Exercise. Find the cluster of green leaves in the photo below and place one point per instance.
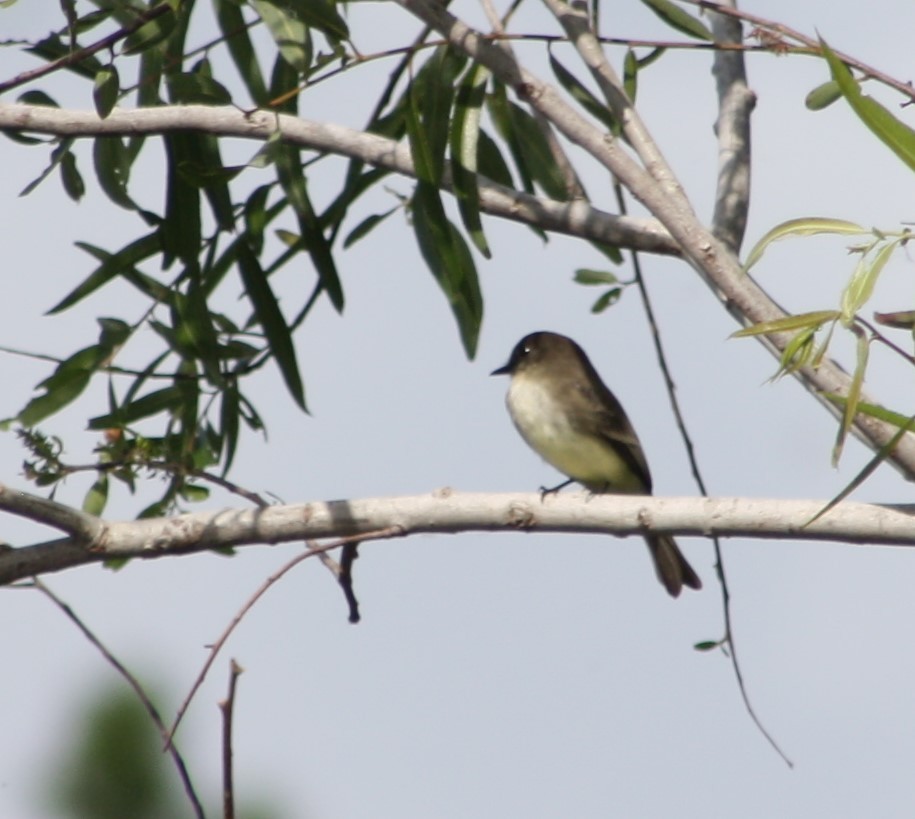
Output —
(873, 251)
(183, 411)
(803, 349)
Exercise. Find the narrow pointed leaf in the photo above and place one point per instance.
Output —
(235, 36)
(106, 91)
(814, 319)
(853, 397)
(450, 261)
(113, 264)
(905, 425)
(465, 134)
(679, 20)
(894, 133)
(864, 279)
(579, 92)
(270, 317)
(807, 226)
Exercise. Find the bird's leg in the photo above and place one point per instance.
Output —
(554, 489)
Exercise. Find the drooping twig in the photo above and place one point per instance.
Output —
(134, 683)
(216, 647)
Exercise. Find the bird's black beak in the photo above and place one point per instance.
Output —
(505, 369)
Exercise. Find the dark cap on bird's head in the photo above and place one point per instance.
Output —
(536, 347)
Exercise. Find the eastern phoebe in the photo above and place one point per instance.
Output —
(570, 419)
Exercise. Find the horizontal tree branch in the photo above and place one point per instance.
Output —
(575, 218)
(448, 512)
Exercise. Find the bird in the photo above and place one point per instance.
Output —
(569, 417)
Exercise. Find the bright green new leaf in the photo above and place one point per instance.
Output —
(97, 496)
(814, 320)
(807, 226)
(863, 280)
(586, 275)
(854, 395)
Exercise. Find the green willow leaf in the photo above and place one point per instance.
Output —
(167, 399)
(323, 15)
(894, 133)
(813, 320)
(150, 34)
(806, 226)
(288, 30)
(58, 155)
(181, 229)
(465, 135)
(864, 279)
(112, 167)
(588, 276)
(194, 88)
(854, 395)
(450, 261)
(905, 425)
(235, 36)
(679, 20)
(113, 265)
(270, 317)
(366, 226)
(97, 496)
(823, 96)
(106, 90)
(70, 177)
(582, 95)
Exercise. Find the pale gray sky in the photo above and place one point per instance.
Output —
(508, 675)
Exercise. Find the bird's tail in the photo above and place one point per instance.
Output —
(672, 569)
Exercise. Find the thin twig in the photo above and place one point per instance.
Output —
(811, 45)
(134, 683)
(227, 707)
(75, 57)
(216, 647)
(688, 445)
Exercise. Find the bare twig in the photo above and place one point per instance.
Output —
(227, 707)
(75, 57)
(215, 648)
(137, 687)
(810, 45)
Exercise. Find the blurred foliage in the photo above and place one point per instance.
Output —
(111, 765)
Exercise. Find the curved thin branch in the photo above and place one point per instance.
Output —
(450, 512)
(576, 218)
